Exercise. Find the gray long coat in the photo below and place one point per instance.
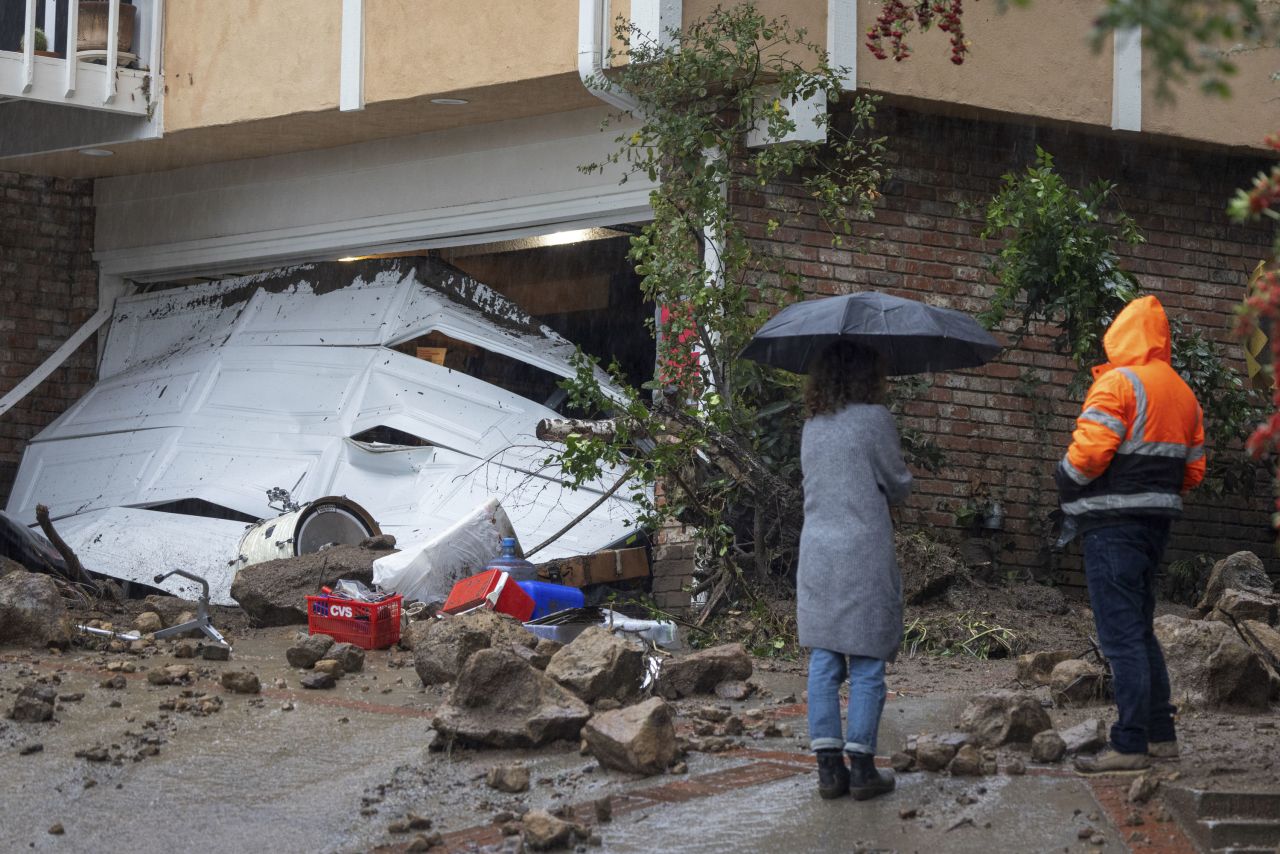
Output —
(849, 589)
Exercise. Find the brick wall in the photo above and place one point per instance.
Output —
(48, 287)
(997, 427)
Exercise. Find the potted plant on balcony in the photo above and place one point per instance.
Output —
(91, 34)
(42, 45)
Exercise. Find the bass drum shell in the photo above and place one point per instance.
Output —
(332, 519)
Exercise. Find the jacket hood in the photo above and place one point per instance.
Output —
(1138, 335)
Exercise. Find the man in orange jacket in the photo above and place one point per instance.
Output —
(1138, 447)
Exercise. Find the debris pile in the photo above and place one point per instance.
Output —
(274, 593)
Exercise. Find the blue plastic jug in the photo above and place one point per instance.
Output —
(517, 567)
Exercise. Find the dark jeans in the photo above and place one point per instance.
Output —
(1120, 564)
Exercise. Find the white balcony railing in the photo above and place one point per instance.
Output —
(88, 75)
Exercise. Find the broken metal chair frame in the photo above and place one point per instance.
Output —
(201, 621)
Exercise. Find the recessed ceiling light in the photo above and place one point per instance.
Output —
(96, 152)
(450, 102)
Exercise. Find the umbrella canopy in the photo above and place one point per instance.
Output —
(913, 338)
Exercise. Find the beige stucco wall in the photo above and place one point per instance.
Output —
(1245, 118)
(239, 60)
(417, 47)
(235, 61)
(1033, 60)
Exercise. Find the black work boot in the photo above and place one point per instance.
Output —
(865, 781)
(833, 776)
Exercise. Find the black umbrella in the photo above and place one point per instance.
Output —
(913, 338)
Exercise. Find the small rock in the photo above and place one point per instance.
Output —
(1084, 833)
(114, 683)
(508, 778)
(908, 813)
(1087, 737)
(57, 830)
(28, 749)
(148, 622)
(901, 761)
(1135, 819)
(1142, 788)
(241, 682)
(1048, 746)
(34, 703)
(735, 689)
(418, 822)
(680, 767)
(184, 649)
(318, 681)
(425, 842)
(215, 652)
(350, 656)
(309, 651)
(543, 831)
(331, 666)
(1097, 839)
(604, 810)
(966, 763)
(1015, 768)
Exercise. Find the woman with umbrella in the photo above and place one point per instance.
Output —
(848, 586)
(849, 589)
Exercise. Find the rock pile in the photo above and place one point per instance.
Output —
(274, 593)
(510, 689)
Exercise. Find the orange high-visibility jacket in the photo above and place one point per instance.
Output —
(1138, 445)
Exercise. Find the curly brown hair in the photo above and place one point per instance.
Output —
(842, 374)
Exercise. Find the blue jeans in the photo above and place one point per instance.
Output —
(1120, 565)
(867, 692)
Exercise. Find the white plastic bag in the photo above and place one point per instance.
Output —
(426, 571)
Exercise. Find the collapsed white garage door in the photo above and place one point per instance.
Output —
(288, 380)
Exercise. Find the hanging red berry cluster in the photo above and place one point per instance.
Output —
(897, 17)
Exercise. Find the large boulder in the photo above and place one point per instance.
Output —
(1210, 667)
(598, 664)
(274, 593)
(1235, 606)
(1004, 717)
(1034, 668)
(31, 611)
(1240, 571)
(499, 700)
(442, 646)
(934, 751)
(1076, 682)
(701, 672)
(639, 739)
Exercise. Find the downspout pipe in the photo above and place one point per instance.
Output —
(593, 35)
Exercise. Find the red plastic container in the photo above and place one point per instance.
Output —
(369, 625)
(493, 589)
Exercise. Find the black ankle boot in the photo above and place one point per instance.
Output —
(833, 776)
(864, 780)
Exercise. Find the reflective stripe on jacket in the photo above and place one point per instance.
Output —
(1138, 445)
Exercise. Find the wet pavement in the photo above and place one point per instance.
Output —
(295, 770)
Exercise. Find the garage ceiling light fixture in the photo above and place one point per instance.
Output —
(96, 152)
(450, 102)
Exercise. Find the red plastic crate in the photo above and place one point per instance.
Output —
(369, 625)
(492, 589)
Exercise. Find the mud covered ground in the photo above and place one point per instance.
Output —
(349, 769)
